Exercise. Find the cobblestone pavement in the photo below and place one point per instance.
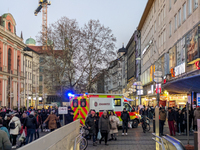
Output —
(136, 140)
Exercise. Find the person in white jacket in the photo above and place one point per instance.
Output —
(14, 132)
(114, 122)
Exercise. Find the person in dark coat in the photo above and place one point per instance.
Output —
(104, 127)
(43, 117)
(97, 123)
(31, 124)
(69, 116)
(171, 120)
(179, 121)
(90, 123)
(125, 119)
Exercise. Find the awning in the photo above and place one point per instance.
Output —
(128, 99)
(184, 85)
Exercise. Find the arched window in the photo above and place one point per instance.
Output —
(9, 26)
(9, 60)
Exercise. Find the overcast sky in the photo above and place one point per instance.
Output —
(122, 16)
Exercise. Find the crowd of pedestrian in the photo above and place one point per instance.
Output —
(22, 126)
(106, 125)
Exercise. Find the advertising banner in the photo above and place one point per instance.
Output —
(192, 45)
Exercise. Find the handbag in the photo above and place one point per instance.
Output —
(22, 137)
(113, 125)
(99, 135)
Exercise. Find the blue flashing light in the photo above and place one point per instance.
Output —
(70, 94)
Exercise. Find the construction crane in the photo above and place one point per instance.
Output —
(43, 5)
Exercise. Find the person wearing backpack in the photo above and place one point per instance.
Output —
(31, 124)
(15, 126)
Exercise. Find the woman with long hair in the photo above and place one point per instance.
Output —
(114, 122)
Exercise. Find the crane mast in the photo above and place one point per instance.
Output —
(43, 5)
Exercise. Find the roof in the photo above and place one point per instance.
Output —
(5, 15)
(122, 50)
(30, 41)
(145, 14)
(37, 49)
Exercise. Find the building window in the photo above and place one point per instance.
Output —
(9, 60)
(170, 29)
(189, 7)
(9, 26)
(41, 77)
(184, 12)
(195, 4)
(40, 89)
(170, 4)
(175, 22)
(33, 79)
(179, 17)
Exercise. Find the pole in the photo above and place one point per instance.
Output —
(157, 126)
(188, 123)
(10, 88)
(27, 92)
(158, 94)
(18, 90)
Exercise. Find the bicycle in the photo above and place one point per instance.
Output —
(83, 138)
(145, 124)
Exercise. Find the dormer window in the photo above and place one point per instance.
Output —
(9, 26)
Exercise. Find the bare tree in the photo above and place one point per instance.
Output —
(98, 45)
(61, 61)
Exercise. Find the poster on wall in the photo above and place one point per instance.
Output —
(192, 45)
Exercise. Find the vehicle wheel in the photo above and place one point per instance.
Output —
(148, 127)
(135, 124)
(83, 144)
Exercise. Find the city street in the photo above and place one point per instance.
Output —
(136, 140)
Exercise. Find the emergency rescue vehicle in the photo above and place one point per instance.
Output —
(82, 103)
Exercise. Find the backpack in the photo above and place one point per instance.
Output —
(12, 125)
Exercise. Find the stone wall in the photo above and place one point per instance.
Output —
(61, 139)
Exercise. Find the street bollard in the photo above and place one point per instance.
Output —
(195, 140)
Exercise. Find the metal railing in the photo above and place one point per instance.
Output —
(77, 141)
(168, 143)
(160, 143)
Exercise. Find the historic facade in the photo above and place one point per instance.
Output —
(11, 63)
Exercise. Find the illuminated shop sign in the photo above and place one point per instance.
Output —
(180, 69)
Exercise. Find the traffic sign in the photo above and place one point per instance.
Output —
(139, 87)
(139, 92)
(158, 73)
(62, 110)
